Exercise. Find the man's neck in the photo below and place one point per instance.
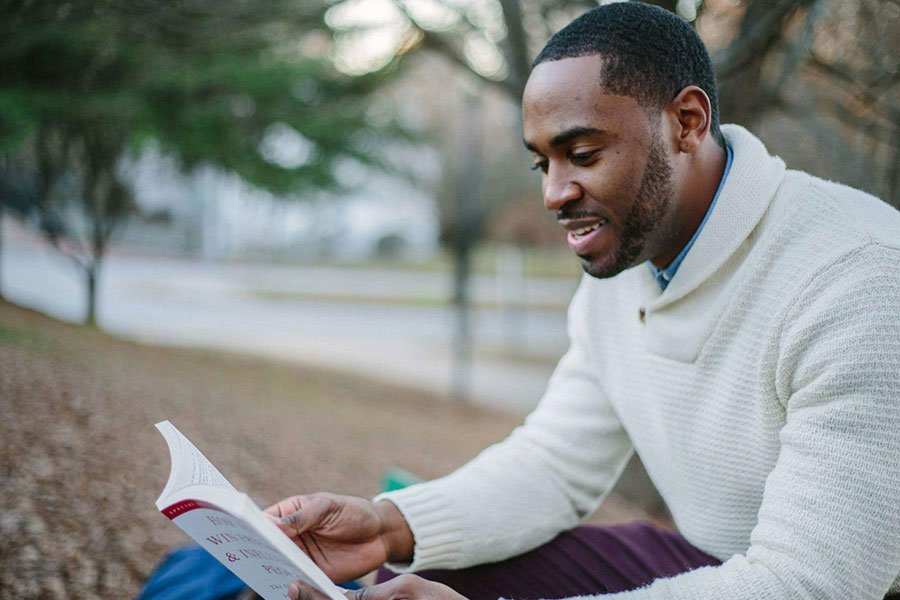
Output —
(705, 170)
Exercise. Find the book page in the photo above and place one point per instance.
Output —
(189, 466)
(228, 525)
(239, 544)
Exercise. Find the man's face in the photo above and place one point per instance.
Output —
(604, 164)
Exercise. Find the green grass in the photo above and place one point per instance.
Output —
(10, 337)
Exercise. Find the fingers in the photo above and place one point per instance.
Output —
(298, 514)
(404, 587)
(300, 590)
(285, 507)
(288, 515)
(317, 512)
(408, 587)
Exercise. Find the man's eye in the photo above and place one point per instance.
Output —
(581, 157)
(539, 166)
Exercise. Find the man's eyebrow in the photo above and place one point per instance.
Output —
(566, 136)
(573, 133)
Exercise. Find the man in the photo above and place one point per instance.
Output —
(738, 327)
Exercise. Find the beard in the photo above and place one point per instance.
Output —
(654, 199)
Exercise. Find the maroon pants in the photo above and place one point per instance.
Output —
(585, 560)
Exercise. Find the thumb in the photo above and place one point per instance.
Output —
(292, 524)
(396, 588)
(290, 515)
(406, 587)
(300, 590)
(298, 514)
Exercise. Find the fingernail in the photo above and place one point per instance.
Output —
(288, 519)
(294, 590)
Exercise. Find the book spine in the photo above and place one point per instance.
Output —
(179, 508)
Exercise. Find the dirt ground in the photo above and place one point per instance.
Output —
(81, 464)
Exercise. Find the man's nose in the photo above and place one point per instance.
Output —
(559, 189)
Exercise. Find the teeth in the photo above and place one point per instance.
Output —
(589, 228)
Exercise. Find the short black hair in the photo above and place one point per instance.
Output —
(649, 53)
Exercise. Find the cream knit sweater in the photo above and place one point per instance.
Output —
(761, 391)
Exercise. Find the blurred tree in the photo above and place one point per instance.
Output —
(818, 79)
(831, 66)
(82, 83)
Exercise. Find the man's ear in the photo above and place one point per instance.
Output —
(691, 114)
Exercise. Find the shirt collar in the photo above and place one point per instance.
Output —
(664, 276)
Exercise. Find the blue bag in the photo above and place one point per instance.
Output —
(191, 573)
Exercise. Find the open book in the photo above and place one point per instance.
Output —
(228, 525)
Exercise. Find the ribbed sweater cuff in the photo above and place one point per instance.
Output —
(436, 529)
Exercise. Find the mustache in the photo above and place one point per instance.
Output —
(568, 215)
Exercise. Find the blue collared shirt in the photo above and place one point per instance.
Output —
(665, 275)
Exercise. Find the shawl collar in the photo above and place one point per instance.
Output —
(754, 178)
(680, 319)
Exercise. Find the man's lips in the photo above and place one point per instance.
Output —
(583, 232)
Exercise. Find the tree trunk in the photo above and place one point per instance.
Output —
(462, 343)
(91, 273)
(894, 181)
(518, 56)
(464, 242)
(102, 227)
(5, 167)
(1, 250)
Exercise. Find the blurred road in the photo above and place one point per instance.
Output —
(381, 323)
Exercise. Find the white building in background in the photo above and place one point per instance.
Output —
(217, 215)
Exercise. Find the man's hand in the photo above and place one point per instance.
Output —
(345, 536)
(404, 587)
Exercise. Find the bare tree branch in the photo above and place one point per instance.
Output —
(516, 44)
(445, 45)
(866, 94)
(757, 35)
(442, 44)
(800, 50)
